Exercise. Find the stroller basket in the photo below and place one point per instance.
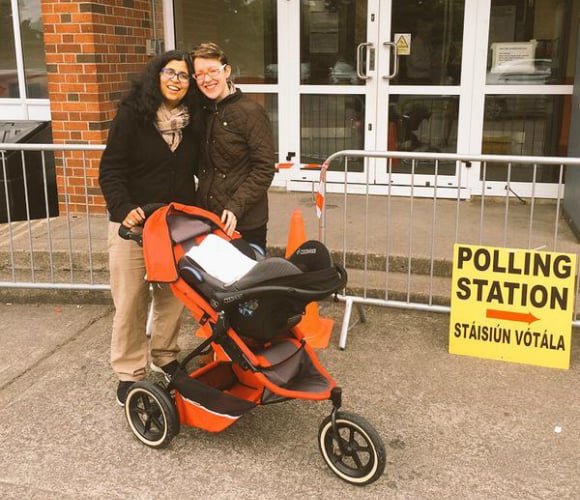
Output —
(215, 396)
(209, 400)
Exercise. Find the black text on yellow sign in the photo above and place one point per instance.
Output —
(512, 305)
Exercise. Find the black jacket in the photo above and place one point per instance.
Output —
(238, 160)
(137, 166)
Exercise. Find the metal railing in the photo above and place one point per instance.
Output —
(399, 250)
(44, 243)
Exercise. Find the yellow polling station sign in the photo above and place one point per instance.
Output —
(512, 305)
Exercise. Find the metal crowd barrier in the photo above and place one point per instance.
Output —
(399, 250)
(44, 242)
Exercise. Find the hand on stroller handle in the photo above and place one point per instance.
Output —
(128, 234)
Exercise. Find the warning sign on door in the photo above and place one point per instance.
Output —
(403, 43)
(512, 305)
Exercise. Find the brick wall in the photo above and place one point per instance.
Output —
(92, 51)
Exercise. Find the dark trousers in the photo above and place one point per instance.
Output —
(256, 236)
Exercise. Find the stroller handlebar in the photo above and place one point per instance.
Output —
(128, 234)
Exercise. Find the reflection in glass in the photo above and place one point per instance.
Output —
(329, 34)
(423, 123)
(528, 125)
(436, 30)
(245, 30)
(530, 42)
(31, 33)
(330, 123)
(8, 75)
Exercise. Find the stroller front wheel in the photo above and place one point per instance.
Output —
(151, 414)
(356, 453)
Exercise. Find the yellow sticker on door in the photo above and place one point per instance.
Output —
(512, 305)
(403, 43)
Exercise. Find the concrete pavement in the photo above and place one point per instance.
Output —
(453, 427)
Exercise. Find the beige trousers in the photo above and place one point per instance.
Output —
(131, 295)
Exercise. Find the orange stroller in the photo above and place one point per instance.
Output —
(248, 305)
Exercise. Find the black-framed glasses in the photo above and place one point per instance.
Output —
(212, 73)
(170, 74)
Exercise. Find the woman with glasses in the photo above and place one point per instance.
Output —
(237, 159)
(151, 157)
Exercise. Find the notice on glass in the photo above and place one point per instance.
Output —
(505, 54)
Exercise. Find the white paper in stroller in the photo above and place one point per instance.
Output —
(221, 259)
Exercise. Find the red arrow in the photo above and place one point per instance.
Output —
(511, 316)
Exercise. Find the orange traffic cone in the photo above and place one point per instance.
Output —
(297, 234)
(312, 327)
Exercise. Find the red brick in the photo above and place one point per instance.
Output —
(117, 58)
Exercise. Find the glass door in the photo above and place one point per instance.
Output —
(335, 58)
(423, 93)
(382, 75)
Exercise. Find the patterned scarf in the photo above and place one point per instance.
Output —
(169, 122)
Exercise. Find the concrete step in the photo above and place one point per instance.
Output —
(400, 287)
(366, 277)
(82, 260)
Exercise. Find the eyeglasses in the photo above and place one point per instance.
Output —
(212, 73)
(170, 74)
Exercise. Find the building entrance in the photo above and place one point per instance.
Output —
(457, 76)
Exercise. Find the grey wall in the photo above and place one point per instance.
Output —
(572, 190)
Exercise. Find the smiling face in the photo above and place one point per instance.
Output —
(173, 89)
(213, 87)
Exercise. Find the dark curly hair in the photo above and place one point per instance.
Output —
(145, 94)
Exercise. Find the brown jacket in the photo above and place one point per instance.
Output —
(238, 159)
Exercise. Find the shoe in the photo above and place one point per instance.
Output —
(122, 391)
(168, 370)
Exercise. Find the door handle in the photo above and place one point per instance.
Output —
(393, 47)
(359, 59)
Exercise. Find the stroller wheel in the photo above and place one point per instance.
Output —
(357, 453)
(151, 414)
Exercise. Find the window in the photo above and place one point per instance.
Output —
(530, 47)
(530, 42)
(246, 31)
(31, 78)
(8, 74)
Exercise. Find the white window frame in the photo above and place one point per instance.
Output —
(22, 108)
